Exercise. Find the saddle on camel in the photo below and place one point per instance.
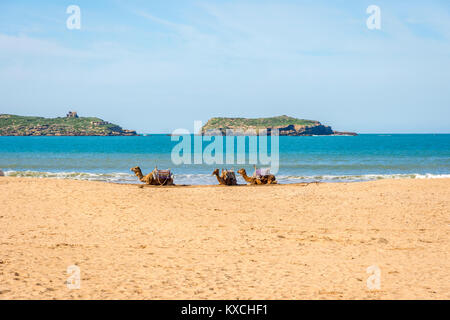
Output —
(264, 176)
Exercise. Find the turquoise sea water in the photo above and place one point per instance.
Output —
(320, 158)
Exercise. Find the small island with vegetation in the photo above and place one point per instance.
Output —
(287, 126)
(70, 125)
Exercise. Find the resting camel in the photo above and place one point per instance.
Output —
(250, 180)
(225, 178)
(151, 178)
(269, 179)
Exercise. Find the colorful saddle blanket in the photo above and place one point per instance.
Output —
(162, 175)
(229, 175)
(261, 172)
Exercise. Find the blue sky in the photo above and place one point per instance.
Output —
(154, 66)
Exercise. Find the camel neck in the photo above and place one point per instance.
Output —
(245, 176)
(219, 178)
(139, 174)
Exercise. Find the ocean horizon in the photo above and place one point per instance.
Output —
(364, 157)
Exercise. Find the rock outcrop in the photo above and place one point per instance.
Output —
(286, 126)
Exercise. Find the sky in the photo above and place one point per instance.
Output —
(155, 66)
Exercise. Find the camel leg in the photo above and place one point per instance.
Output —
(272, 180)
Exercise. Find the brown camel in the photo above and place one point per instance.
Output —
(250, 180)
(227, 178)
(152, 178)
(269, 179)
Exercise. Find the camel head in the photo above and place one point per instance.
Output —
(135, 169)
(215, 172)
(242, 171)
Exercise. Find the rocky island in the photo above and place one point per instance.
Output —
(71, 125)
(287, 126)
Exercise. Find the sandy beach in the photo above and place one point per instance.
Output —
(211, 242)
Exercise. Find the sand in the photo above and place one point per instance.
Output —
(245, 242)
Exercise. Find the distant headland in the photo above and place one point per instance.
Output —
(70, 125)
(287, 126)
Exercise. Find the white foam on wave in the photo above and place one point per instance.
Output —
(362, 177)
(208, 179)
(107, 177)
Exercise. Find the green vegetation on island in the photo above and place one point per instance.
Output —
(256, 123)
(71, 125)
(287, 126)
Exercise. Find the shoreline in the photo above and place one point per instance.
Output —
(216, 242)
(205, 179)
(142, 185)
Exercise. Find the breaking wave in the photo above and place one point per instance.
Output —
(207, 179)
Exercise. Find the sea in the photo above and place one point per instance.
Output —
(364, 157)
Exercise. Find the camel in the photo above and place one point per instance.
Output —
(269, 179)
(227, 178)
(152, 178)
(250, 180)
